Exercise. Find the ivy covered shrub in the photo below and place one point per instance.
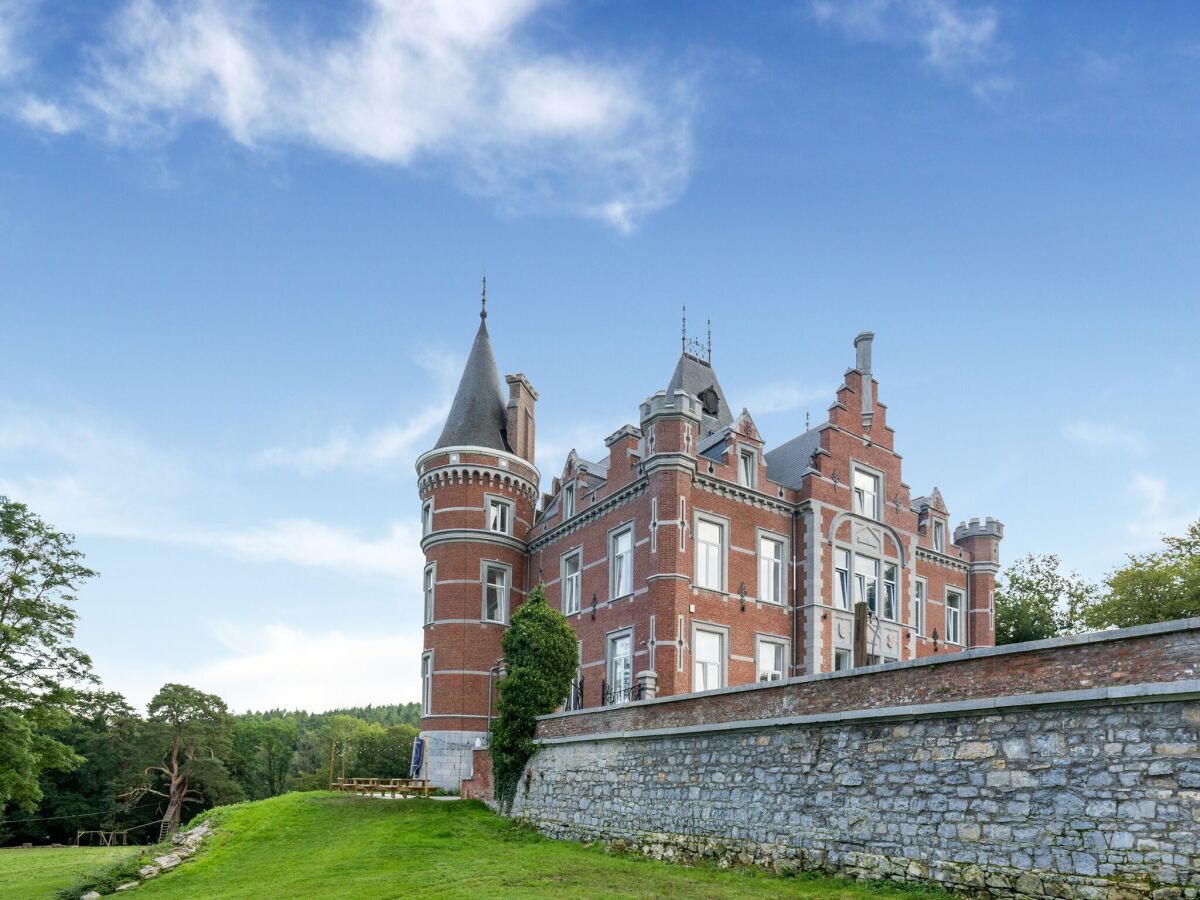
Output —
(540, 657)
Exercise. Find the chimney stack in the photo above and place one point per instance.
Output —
(862, 362)
(519, 419)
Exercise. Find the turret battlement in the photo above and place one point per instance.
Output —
(977, 527)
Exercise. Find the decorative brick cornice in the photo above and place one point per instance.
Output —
(476, 473)
(942, 559)
(743, 494)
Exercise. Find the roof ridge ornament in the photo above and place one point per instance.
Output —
(483, 300)
(695, 347)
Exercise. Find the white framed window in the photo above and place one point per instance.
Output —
(747, 467)
(568, 501)
(920, 586)
(954, 617)
(426, 682)
(770, 569)
(866, 493)
(866, 582)
(499, 515)
(710, 553)
(708, 659)
(620, 562)
(495, 592)
(572, 573)
(890, 593)
(841, 660)
(771, 656)
(620, 665)
(430, 581)
(841, 578)
(426, 518)
(939, 536)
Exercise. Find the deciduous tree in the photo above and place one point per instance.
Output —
(1153, 587)
(1035, 600)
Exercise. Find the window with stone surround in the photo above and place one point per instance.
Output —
(495, 592)
(430, 580)
(770, 569)
(620, 665)
(747, 468)
(954, 613)
(568, 501)
(572, 569)
(710, 554)
(708, 659)
(890, 593)
(841, 578)
(866, 582)
(866, 493)
(426, 682)
(921, 587)
(620, 566)
(499, 515)
(939, 536)
(426, 518)
(842, 660)
(771, 658)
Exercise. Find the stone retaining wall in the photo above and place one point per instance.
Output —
(1090, 793)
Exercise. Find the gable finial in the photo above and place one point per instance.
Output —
(683, 340)
(483, 300)
(710, 342)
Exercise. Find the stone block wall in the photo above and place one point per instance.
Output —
(1091, 792)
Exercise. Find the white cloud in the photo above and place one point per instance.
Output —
(46, 116)
(950, 34)
(1106, 436)
(14, 15)
(303, 542)
(457, 84)
(280, 665)
(347, 449)
(1157, 510)
(783, 396)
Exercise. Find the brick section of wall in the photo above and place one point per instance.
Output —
(1163, 653)
(479, 785)
(1094, 801)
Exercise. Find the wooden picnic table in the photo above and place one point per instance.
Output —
(397, 787)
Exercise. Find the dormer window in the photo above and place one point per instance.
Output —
(568, 501)
(939, 536)
(866, 494)
(499, 516)
(747, 468)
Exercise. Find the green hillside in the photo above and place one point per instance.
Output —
(38, 873)
(327, 845)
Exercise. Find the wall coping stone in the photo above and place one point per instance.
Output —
(1071, 640)
(1164, 691)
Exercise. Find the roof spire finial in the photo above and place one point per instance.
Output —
(710, 342)
(483, 300)
(684, 339)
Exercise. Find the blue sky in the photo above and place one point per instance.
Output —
(240, 250)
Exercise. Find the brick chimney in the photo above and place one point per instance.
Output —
(519, 419)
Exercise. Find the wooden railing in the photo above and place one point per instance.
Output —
(396, 787)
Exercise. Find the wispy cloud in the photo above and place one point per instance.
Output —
(281, 665)
(302, 542)
(1106, 436)
(459, 85)
(14, 15)
(349, 448)
(951, 36)
(1156, 511)
(783, 396)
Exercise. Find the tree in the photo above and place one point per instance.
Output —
(540, 658)
(40, 572)
(196, 730)
(1034, 600)
(261, 758)
(1153, 587)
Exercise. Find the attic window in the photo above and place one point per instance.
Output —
(746, 468)
(568, 501)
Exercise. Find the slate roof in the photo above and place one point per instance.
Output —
(694, 376)
(477, 415)
(788, 462)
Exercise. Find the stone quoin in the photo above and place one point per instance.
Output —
(694, 557)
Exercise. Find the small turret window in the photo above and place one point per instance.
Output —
(427, 518)
(499, 516)
(495, 593)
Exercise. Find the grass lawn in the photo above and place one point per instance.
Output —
(38, 873)
(330, 845)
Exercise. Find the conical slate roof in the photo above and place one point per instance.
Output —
(477, 416)
(695, 377)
